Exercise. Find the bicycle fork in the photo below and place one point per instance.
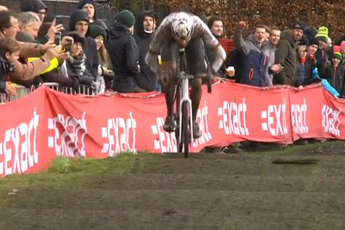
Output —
(184, 97)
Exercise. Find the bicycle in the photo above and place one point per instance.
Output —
(183, 108)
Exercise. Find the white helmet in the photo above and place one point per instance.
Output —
(182, 26)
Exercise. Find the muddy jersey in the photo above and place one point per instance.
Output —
(200, 30)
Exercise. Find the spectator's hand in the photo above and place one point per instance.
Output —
(242, 25)
(58, 53)
(48, 45)
(276, 68)
(139, 70)
(66, 40)
(53, 30)
(300, 87)
(11, 89)
(152, 61)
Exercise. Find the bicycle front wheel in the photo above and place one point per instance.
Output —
(185, 129)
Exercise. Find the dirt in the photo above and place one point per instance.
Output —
(210, 191)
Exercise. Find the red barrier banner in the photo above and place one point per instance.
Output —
(48, 123)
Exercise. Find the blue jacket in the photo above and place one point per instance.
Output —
(255, 63)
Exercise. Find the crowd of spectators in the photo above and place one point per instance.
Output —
(36, 47)
(86, 52)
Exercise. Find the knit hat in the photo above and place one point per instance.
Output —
(336, 53)
(126, 18)
(342, 45)
(303, 41)
(313, 41)
(322, 34)
(95, 31)
(76, 37)
(82, 3)
(299, 25)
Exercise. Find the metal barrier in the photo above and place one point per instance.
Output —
(23, 91)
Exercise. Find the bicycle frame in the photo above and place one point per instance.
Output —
(184, 97)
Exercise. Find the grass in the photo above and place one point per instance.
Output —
(65, 173)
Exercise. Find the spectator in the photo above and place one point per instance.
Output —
(215, 24)
(8, 48)
(79, 22)
(9, 29)
(254, 58)
(273, 39)
(321, 54)
(36, 6)
(90, 7)
(311, 63)
(301, 63)
(147, 79)
(335, 73)
(29, 25)
(105, 73)
(124, 53)
(76, 62)
(286, 55)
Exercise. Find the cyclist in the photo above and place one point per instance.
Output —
(183, 30)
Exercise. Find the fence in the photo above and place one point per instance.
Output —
(23, 91)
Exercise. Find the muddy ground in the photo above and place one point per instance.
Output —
(212, 191)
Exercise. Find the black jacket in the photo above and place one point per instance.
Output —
(286, 55)
(89, 47)
(147, 78)
(336, 77)
(124, 56)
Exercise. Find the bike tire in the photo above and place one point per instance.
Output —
(185, 129)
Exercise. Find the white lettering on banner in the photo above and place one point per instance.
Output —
(234, 118)
(118, 132)
(275, 119)
(330, 120)
(203, 125)
(299, 118)
(23, 140)
(69, 135)
(166, 142)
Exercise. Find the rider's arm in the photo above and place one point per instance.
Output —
(161, 34)
(240, 43)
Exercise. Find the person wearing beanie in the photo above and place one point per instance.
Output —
(322, 35)
(105, 73)
(324, 53)
(144, 33)
(335, 73)
(286, 54)
(36, 6)
(90, 7)
(301, 64)
(79, 22)
(310, 62)
(123, 52)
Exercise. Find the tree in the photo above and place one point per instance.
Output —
(281, 13)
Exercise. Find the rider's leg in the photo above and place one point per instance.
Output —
(167, 77)
(196, 65)
(196, 97)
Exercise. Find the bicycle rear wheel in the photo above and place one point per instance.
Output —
(185, 129)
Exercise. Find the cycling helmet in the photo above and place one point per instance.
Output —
(182, 26)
